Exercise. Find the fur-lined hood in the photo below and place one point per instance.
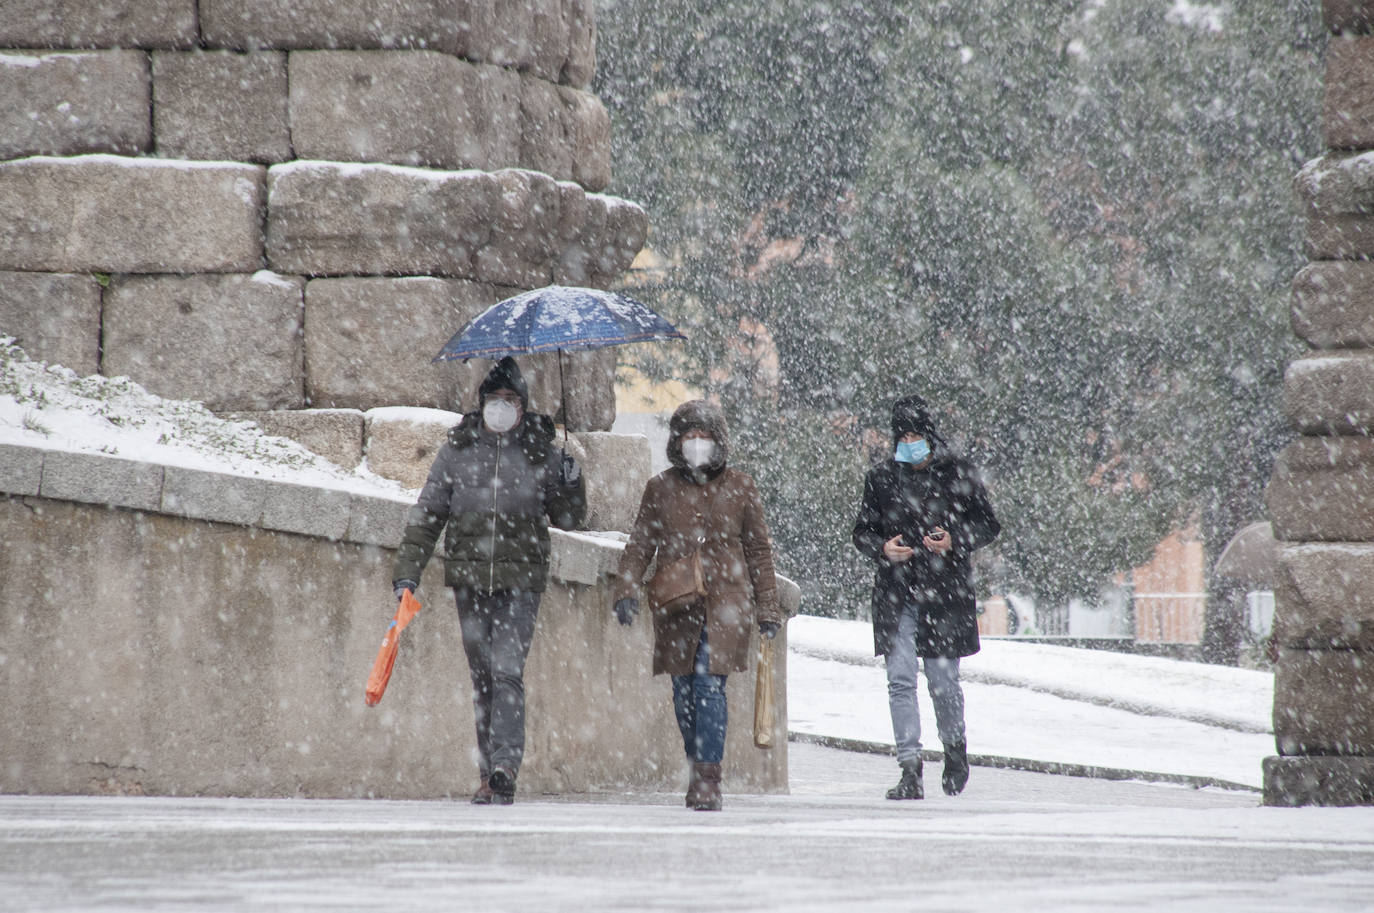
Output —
(698, 413)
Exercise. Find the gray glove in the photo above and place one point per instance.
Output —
(400, 586)
(568, 470)
(769, 629)
(626, 609)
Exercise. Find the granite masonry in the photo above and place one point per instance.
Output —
(1321, 494)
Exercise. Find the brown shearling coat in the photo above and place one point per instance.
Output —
(725, 513)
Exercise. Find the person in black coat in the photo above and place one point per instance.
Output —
(924, 513)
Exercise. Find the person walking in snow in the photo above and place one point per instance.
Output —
(700, 509)
(924, 513)
(496, 484)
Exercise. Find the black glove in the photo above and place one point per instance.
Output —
(769, 629)
(568, 470)
(626, 609)
(400, 586)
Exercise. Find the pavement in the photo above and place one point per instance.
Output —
(1015, 840)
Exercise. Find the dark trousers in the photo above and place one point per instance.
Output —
(699, 704)
(497, 630)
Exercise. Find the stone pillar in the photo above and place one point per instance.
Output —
(1321, 494)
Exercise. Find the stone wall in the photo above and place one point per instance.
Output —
(1321, 494)
(287, 204)
(178, 632)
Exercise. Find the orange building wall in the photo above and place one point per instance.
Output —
(1170, 591)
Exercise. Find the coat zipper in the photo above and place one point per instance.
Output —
(495, 479)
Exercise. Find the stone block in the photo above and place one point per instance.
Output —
(524, 231)
(627, 228)
(418, 108)
(587, 133)
(1336, 193)
(107, 24)
(377, 521)
(54, 317)
(1324, 596)
(548, 39)
(335, 434)
(1322, 490)
(230, 341)
(219, 105)
(589, 398)
(102, 213)
(216, 496)
(1353, 16)
(511, 33)
(328, 219)
(403, 442)
(1331, 392)
(582, 222)
(1314, 492)
(98, 479)
(1294, 782)
(369, 341)
(1324, 702)
(1348, 103)
(616, 468)
(307, 510)
(21, 469)
(580, 558)
(544, 144)
(72, 102)
(580, 65)
(456, 26)
(1333, 304)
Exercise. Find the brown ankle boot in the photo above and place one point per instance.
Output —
(483, 794)
(693, 785)
(708, 796)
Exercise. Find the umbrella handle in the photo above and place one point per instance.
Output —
(563, 399)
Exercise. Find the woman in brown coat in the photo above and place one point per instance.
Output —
(699, 504)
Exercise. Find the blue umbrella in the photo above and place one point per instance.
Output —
(556, 318)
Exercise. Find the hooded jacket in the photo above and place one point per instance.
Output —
(900, 499)
(717, 509)
(492, 495)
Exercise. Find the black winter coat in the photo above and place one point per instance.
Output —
(493, 496)
(898, 498)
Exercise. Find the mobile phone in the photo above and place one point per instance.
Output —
(937, 535)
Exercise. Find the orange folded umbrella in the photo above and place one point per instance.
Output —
(386, 656)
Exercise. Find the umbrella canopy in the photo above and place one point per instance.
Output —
(1250, 557)
(556, 318)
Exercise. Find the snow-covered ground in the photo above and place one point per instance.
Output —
(1045, 703)
(49, 406)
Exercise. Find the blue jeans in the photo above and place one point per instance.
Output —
(942, 680)
(699, 703)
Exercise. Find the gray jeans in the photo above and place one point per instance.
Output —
(942, 680)
(497, 630)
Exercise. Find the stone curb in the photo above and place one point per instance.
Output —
(986, 678)
(1043, 767)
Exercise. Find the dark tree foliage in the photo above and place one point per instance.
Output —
(1067, 224)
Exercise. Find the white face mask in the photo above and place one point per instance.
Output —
(500, 416)
(698, 451)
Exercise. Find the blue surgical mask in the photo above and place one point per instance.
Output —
(913, 452)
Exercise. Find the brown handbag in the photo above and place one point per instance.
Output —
(678, 584)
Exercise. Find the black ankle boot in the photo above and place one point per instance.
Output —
(909, 786)
(502, 784)
(955, 775)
